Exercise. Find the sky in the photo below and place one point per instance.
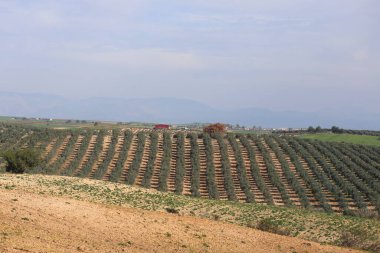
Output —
(302, 55)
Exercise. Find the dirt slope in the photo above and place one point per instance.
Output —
(32, 222)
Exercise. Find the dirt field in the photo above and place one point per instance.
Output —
(32, 222)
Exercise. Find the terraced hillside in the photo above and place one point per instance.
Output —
(268, 169)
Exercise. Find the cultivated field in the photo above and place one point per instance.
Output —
(267, 169)
(348, 138)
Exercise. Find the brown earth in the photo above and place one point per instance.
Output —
(31, 222)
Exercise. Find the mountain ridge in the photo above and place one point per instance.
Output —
(173, 111)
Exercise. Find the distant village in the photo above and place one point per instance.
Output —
(160, 126)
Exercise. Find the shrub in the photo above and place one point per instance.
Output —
(272, 226)
(19, 161)
(215, 128)
(359, 238)
(172, 210)
(366, 213)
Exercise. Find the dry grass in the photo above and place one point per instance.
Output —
(310, 225)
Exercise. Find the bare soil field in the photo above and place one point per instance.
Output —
(41, 223)
(34, 220)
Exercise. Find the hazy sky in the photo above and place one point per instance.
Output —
(300, 55)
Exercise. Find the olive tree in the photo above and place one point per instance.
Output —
(19, 161)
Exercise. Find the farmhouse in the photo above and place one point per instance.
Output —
(161, 126)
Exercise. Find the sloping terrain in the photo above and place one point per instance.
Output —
(36, 191)
(267, 169)
(53, 214)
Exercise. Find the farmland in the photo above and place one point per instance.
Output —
(305, 188)
(68, 124)
(347, 138)
(264, 169)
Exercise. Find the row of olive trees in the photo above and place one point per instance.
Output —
(86, 170)
(82, 150)
(341, 165)
(165, 167)
(135, 165)
(327, 175)
(289, 175)
(295, 154)
(119, 167)
(102, 169)
(151, 160)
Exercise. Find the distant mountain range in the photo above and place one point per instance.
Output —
(172, 110)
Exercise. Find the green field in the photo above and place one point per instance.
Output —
(70, 124)
(348, 138)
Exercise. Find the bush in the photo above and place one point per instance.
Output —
(366, 213)
(171, 210)
(271, 226)
(2, 167)
(215, 128)
(359, 238)
(19, 161)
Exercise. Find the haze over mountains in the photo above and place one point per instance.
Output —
(173, 110)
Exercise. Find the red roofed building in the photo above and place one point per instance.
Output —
(161, 126)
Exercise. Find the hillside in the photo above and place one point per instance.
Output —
(64, 214)
(269, 169)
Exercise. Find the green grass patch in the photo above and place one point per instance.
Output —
(348, 138)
